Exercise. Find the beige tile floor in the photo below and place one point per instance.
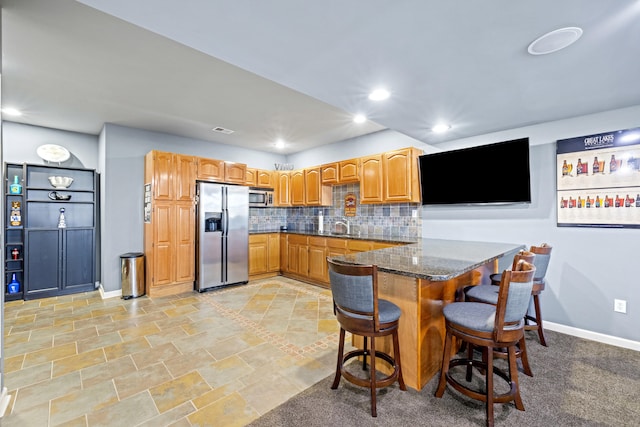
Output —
(218, 358)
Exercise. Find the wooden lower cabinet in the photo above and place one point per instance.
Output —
(305, 257)
(318, 259)
(264, 255)
(171, 256)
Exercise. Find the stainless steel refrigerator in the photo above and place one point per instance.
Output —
(223, 235)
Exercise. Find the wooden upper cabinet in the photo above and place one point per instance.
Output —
(161, 165)
(250, 177)
(283, 189)
(329, 173)
(297, 187)
(348, 171)
(173, 175)
(185, 177)
(312, 186)
(210, 169)
(401, 176)
(234, 172)
(221, 171)
(315, 193)
(259, 178)
(371, 179)
(264, 178)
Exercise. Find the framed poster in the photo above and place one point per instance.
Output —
(598, 180)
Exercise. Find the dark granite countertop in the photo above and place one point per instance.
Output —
(355, 236)
(433, 259)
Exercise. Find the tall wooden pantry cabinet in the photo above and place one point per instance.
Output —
(169, 238)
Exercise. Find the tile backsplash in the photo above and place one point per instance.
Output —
(395, 219)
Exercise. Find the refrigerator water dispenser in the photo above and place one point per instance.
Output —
(213, 221)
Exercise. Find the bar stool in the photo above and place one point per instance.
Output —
(541, 261)
(489, 294)
(488, 327)
(359, 311)
(543, 256)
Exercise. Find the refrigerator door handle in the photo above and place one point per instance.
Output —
(224, 264)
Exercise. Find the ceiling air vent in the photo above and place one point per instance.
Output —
(222, 130)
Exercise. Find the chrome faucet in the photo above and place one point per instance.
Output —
(345, 223)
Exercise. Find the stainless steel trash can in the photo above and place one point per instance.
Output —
(132, 274)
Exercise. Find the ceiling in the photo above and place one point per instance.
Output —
(299, 70)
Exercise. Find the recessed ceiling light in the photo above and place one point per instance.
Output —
(359, 118)
(279, 143)
(440, 128)
(379, 95)
(554, 40)
(11, 112)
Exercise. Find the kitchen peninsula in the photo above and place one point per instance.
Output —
(421, 278)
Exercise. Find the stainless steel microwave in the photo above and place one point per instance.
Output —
(260, 197)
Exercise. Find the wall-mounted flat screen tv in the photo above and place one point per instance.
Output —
(488, 174)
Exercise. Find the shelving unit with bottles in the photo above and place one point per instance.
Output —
(58, 253)
(14, 230)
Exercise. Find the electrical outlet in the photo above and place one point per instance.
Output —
(620, 305)
(414, 213)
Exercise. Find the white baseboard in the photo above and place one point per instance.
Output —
(5, 398)
(593, 336)
(110, 294)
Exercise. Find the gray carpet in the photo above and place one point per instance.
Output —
(576, 382)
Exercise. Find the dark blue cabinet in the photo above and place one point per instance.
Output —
(59, 254)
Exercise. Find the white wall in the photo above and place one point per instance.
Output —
(21, 141)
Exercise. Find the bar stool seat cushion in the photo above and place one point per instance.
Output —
(474, 315)
(484, 293)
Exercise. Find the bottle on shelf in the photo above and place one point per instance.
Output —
(606, 201)
(16, 187)
(565, 169)
(597, 201)
(580, 167)
(579, 202)
(588, 202)
(638, 201)
(14, 285)
(15, 253)
(16, 216)
(596, 165)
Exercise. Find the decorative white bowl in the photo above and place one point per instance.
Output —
(60, 181)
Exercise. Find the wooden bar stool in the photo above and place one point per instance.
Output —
(489, 294)
(543, 256)
(360, 311)
(486, 327)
